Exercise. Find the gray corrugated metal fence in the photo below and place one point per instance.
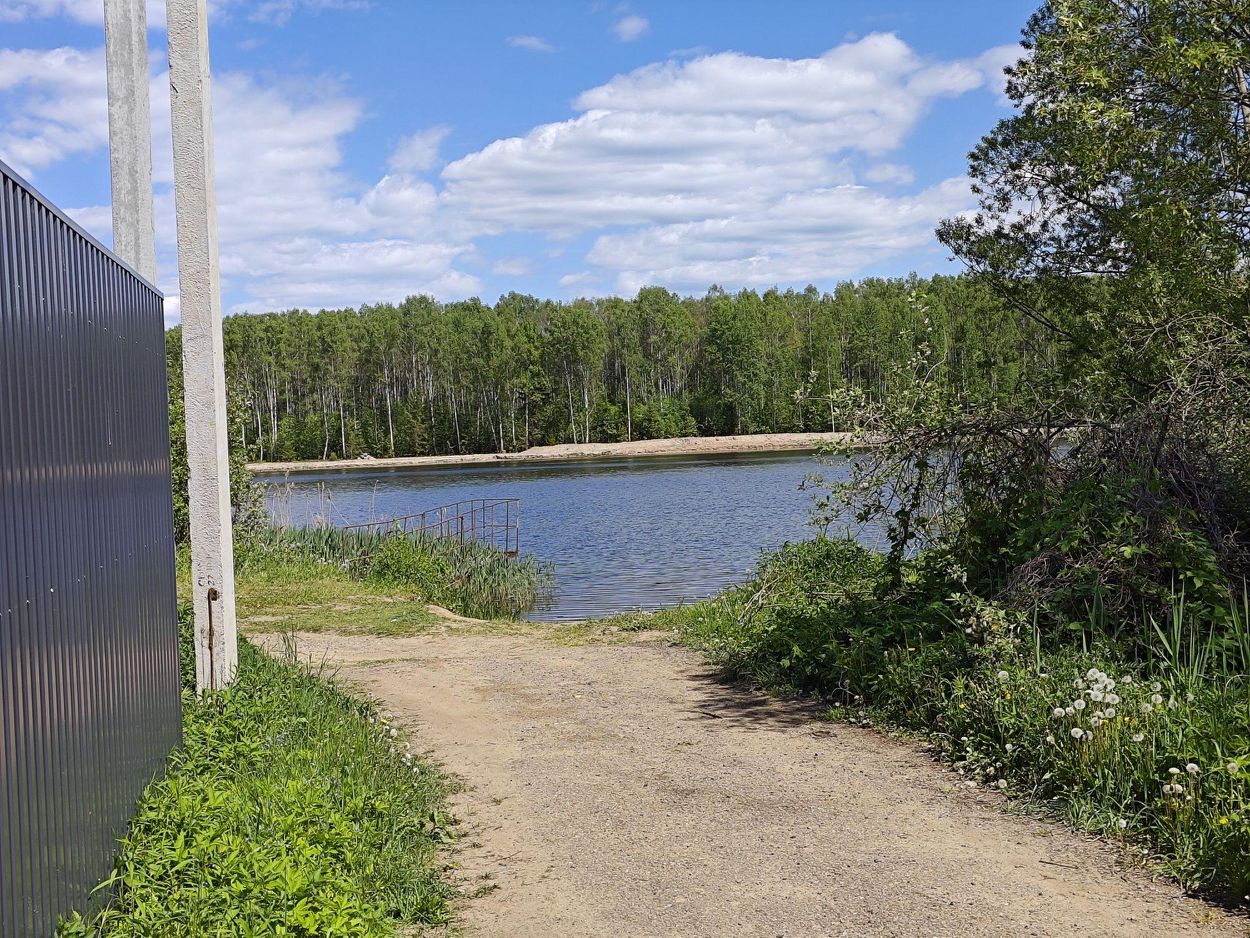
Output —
(89, 691)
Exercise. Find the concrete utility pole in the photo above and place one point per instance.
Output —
(204, 377)
(130, 134)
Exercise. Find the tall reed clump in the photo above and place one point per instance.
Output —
(468, 577)
(292, 808)
(1146, 740)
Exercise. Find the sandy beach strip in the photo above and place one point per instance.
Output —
(680, 446)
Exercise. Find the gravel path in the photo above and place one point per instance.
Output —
(621, 790)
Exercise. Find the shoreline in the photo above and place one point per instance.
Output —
(676, 446)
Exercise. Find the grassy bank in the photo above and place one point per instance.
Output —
(293, 808)
(1147, 742)
(467, 577)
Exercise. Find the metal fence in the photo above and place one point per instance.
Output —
(89, 689)
(493, 521)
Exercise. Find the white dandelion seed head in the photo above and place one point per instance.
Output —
(1058, 713)
(1078, 704)
(1009, 747)
(1095, 695)
(1121, 823)
(1192, 768)
(1002, 783)
(1003, 675)
(1138, 737)
(1156, 699)
(1069, 711)
(1076, 732)
(1174, 771)
(1110, 714)
(1050, 738)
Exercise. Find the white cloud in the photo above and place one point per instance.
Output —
(533, 43)
(993, 61)
(511, 267)
(59, 106)
(629, 28)
(722, 168)
(713, 137)
(419, 151)
(811, 236)
(890, 173)
(280, 12)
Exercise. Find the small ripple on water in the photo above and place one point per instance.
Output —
(621, 535)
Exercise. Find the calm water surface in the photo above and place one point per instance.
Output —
(622, 534)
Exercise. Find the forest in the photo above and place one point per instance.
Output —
(424, 377)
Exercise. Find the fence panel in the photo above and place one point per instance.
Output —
(89, 690)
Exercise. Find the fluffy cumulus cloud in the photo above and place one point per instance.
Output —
(54, 105)
(721, 168)
(730, 168)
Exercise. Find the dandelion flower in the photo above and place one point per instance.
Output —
(1192, 768)
(1050, 738)
(1078, 704)
(1009, 747)
(1002, 783)
(1121, 823)
(1076, 732)
(394, 732)
(1174, 771)
(1058, 713)
(1147, 708)
(1156, 699)
(1091, 674)
(1138, 737)
(1095, 695)
(1003, 675)
(1110, 714)
(1233, 768)
(1069, 711)
(1156, 686)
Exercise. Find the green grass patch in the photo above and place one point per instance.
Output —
(293, 808)
(1151, 749)
(472, 579)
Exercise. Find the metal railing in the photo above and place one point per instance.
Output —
(89, 691)
(492, 521)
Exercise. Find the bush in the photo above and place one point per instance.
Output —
(403, 560)
(289, 810)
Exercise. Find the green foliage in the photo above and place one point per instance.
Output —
(468, 577)
(423, 377)
(408, 561)
(1005, 702)
(291, 809)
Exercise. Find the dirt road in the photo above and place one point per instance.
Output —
(621, 790)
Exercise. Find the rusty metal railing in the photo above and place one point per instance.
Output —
(493, 521)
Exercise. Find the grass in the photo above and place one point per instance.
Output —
(1152, 750)
(468, 577)
(293, 808)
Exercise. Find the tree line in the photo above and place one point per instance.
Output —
(423, 377)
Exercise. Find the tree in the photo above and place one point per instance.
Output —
(1114, 217)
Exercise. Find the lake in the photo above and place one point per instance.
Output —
(622, 534)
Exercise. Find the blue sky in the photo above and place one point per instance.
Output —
(369, 149)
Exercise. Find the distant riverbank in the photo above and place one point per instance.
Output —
(681, 446)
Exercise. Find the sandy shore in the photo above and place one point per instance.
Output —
(682, 446)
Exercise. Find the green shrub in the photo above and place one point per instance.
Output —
(403, 560)
(290, 810)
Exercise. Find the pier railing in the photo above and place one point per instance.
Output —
(492, 521)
